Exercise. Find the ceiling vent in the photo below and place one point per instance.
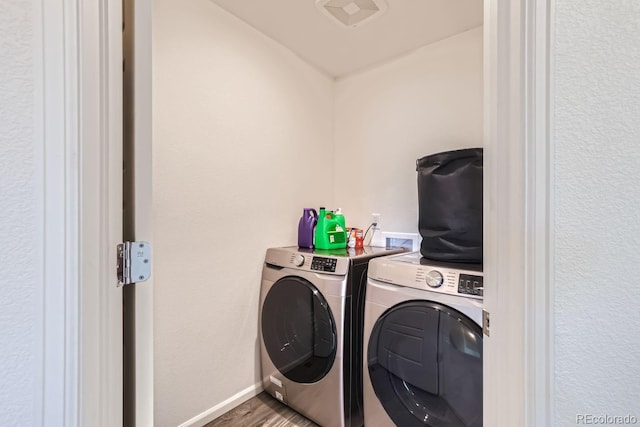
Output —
(351, 13)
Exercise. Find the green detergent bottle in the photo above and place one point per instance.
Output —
(330, 231)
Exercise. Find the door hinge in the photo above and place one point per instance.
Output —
(485, 322)
(134, 262)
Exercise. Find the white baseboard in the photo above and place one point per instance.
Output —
(222, 407)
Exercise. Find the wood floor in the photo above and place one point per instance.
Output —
(261, 411)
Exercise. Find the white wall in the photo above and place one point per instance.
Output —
(596, 135)
(242, 142)
(391, 115)
(20, 251)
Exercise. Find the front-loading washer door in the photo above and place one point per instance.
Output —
(425, 365)
(298, 330)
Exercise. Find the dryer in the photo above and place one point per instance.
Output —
(422, 362)
(311, 314)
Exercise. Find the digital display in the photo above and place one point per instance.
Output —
(470, 285)
(324, 264)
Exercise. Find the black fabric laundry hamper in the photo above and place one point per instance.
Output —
(450, 205)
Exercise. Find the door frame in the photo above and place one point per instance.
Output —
(78, 143)
(139, 226)
(518, 213)
(80, 40)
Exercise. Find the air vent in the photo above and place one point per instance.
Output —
(351, 13)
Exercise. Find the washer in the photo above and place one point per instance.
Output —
(311, 313)
(422, 343)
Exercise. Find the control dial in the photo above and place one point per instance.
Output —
(298, 260)
(434, 279)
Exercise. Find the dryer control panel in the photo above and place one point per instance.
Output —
(324, 264)
(411, 270)
(448, 280)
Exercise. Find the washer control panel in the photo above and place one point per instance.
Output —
(335, 262)
(324, 264)
(307, 261)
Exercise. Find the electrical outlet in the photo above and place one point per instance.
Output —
(375, 219)
(376, 237)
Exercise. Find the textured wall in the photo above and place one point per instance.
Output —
(596, 135)
(19, 311)
(242, 142)
(389, 116)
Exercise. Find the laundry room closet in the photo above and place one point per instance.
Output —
(247, 131)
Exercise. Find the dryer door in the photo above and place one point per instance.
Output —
(298, 330)
(425, 365)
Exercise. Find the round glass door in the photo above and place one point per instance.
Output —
(298, 330)
(425, 366)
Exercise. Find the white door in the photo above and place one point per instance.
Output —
(80, 82)
(137, 218)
